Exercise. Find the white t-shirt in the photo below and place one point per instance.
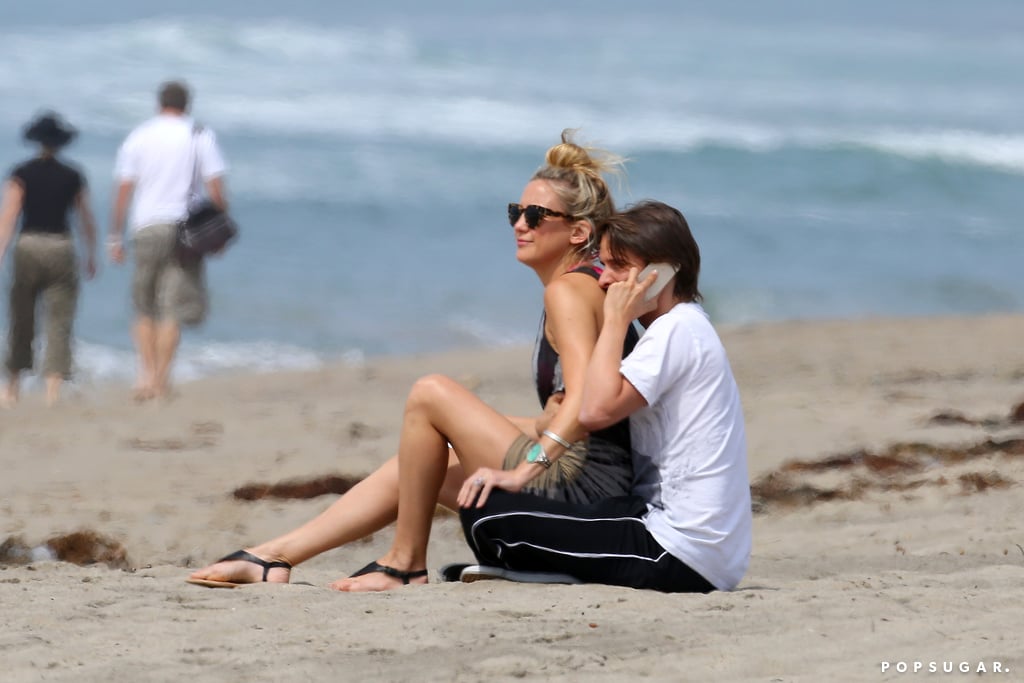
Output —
(690, 447)
(160, 157)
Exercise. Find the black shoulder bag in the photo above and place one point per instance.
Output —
(207, 229)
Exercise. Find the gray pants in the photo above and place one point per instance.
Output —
(44, 266)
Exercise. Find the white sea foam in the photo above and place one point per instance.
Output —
(281, 78)
(100, 364)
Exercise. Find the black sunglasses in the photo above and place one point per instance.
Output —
(533, 214)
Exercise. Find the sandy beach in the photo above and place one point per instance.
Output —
(886, 467)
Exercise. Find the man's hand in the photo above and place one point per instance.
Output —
(116, 250)
(624, 301)
(90, 267)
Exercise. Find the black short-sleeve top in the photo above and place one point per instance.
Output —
(50, 188)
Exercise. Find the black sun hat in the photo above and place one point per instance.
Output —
(50, 130)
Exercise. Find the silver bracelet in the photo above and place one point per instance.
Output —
(557, 439)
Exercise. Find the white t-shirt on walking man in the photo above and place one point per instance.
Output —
(689, 445)
(160, 157)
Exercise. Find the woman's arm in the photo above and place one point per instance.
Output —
(14, 195)
(88, 227)
(573, 304)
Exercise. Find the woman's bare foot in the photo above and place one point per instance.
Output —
(377, 576)
(9, 397)
(244, 567)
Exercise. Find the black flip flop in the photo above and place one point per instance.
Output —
(377, 568)
(243, 556)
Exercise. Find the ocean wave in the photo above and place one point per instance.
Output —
(278, 78)
(98, 363)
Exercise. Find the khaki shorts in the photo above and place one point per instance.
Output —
(164, 287)
(592, 470)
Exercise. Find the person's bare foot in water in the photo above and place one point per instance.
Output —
(143, 393)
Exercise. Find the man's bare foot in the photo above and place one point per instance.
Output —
(143, 394)
(165, 393)
(377, 577)
(53, 384)
(243, 567)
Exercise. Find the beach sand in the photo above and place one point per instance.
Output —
(895, 538)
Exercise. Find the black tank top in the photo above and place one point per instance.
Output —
(50, 188)
(547, 370)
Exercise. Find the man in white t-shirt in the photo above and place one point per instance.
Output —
(687, 525)
(163, 166)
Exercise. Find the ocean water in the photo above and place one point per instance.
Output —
(834, 159)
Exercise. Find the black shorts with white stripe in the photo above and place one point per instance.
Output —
(603, 542)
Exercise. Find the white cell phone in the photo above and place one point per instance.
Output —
(665, 273)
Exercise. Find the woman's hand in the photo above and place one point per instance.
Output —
(478, 486)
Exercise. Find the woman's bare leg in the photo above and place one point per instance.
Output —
(10, 395)
(438, 410)
(367, 507)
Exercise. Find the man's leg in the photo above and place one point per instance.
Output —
(145, 347)
(603, 542)
(168, 334)
(182, 301)
(150, 265)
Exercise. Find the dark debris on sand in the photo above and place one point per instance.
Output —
(297, 488)
(79, 547)
(901, 467)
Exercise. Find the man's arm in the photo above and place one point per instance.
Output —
(608, 397)
(215, 191)
(14, 195)
(115, 238)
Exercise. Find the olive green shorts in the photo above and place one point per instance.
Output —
(163, 286)
(592, 470)
(45, 270)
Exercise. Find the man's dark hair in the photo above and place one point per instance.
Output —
(174, 95)
(656, 233)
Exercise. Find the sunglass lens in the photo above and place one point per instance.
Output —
(514, 212)
(532, 216)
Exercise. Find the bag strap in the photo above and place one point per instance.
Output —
(195, 189)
